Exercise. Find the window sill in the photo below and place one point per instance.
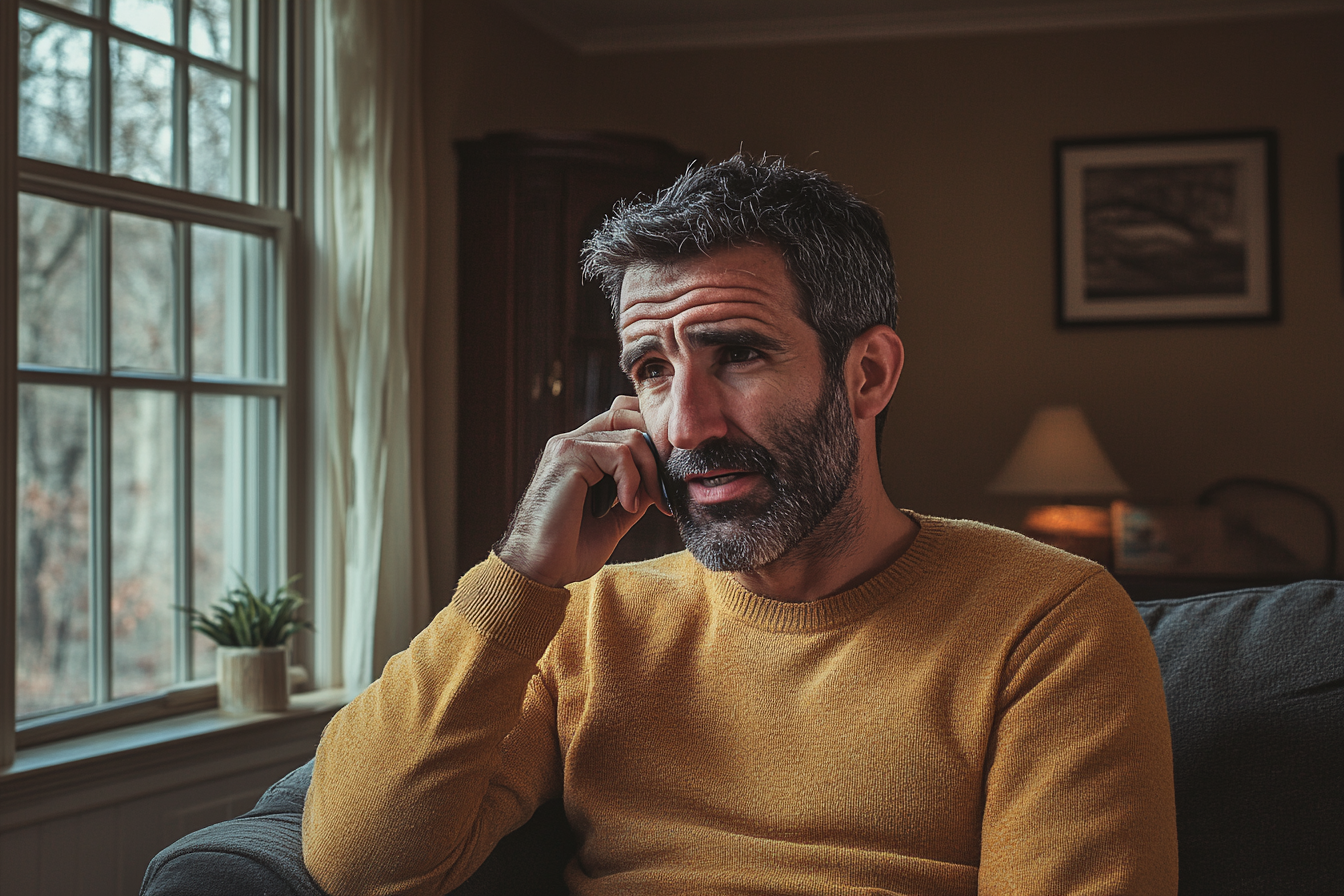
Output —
(82, 773)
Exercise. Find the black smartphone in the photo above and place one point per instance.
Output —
(602, 497)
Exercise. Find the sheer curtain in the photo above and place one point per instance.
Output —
(371, 584)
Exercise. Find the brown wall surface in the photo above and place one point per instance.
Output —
(952, 139)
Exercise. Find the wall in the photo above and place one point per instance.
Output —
(951, 138)
(482, 71)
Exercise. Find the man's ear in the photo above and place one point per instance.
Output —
(873, 369)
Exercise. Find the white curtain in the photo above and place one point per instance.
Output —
(368, 297)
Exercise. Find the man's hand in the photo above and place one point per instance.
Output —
(552, 538)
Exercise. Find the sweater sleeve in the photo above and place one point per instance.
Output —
(1079, 796)
(419, 777)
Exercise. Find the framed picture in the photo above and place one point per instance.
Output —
(1167, 229)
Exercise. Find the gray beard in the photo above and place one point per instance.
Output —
(808, 474)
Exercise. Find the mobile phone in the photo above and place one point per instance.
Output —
(602, 497)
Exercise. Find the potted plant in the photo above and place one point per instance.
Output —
(252, 632)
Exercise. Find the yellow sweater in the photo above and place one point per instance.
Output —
(986, 715)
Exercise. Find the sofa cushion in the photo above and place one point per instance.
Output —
(1255, 693)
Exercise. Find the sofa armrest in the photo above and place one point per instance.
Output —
(262, 852)
(259, 852)
(1255, 694)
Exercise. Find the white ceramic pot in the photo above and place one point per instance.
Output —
(252, 679)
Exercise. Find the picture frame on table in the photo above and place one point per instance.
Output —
(1170, 229)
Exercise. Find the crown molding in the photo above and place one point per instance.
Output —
(702, 33)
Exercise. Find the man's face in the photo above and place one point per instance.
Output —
(731, 383)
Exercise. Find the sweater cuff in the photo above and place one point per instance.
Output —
(510, 609)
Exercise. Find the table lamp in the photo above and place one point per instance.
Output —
(1059, 458)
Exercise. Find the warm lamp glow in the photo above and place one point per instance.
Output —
(1073, 520)
(1057, 457)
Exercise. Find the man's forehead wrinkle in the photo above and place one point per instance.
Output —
(656, 310)
(664, 288)
(667, 279)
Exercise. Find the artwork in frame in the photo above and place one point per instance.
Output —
(1167, 229)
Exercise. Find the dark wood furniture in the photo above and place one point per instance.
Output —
(538, 348)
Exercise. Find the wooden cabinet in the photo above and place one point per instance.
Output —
(538, 349)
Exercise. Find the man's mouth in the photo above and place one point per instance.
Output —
(715, 480)
(720, 485)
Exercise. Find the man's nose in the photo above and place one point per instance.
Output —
(696, 410)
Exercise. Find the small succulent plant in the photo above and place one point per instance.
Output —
(243, 618)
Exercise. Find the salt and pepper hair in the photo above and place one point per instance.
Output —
(833, 243)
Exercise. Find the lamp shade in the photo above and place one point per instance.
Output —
(1058, 457)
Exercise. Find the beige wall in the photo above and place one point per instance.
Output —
(951, 138)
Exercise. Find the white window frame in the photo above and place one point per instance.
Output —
(271, 108)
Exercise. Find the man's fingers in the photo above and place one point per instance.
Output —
(638, 491)
(554, 537)
(616, 419)
(625, 456)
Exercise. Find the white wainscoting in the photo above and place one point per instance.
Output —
(86, 816)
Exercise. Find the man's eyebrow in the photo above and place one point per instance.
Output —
(705, 335)
(701, 336)
(638, 349)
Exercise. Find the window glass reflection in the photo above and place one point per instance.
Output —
(211, 32)
(144, 461)
(52, 595)
(144, 312)
(54, 285)
(142, 113)
(152, 18)
(53, 90)
(215, 161)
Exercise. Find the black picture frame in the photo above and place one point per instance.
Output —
(1167, 229)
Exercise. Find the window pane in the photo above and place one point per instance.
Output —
(53, 90)
(76, 5)
(142, 113)
(233, 321)
(234, 501)
(212, 30)
(53, 619)
(53, 282)
(144, 465)
(152, 18)
(215, 162)
(143, 311)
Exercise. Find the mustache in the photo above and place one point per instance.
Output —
(717, 455)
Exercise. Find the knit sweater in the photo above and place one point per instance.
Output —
(984, 716)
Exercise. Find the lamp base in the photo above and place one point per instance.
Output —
(1076, 528)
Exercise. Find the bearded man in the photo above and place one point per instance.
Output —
(824, 693)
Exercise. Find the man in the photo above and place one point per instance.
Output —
(826, 694)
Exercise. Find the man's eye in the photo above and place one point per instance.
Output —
(651, 370)
(739, 354)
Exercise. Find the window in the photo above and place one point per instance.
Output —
(152, 392)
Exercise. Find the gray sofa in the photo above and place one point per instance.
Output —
(1255, 692)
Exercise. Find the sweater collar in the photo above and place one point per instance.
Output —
(838, 609)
